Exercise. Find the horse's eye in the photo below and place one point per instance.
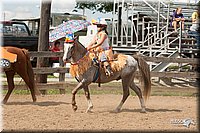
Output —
(72, 47)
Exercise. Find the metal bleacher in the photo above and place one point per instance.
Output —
(144, 27)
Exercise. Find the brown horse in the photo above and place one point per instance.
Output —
(23, 67)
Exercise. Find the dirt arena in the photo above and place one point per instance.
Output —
(54, 112)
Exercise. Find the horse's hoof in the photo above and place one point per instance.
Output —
(116, 110)
(4, 102)
(89, 110)
(34, 100)
(74, 107)
(143, 111)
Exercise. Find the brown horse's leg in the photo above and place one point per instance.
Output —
(74, 91)
(25, 77)
(137, 90)
(11, 86)
(87, 94)
(126, 93)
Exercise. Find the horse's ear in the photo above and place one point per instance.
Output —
(76, 37)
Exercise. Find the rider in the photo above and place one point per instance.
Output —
(100, 45)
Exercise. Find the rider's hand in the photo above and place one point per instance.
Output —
(88, 48)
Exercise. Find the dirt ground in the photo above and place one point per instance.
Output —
(54, 112)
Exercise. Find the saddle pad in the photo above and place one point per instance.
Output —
(118, 62)
(8, 56)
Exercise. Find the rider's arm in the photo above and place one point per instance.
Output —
(91, 43)
(102, 39)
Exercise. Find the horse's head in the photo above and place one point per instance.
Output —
(73, 51)
(68, 51)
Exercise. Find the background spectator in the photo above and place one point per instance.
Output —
(194, 29)
(177, 17)
(55, 48)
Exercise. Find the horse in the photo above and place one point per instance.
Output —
(23, 67)
(76, 52)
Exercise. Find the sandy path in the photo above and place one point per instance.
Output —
(54, 112)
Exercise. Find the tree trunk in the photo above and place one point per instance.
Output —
(43, 42)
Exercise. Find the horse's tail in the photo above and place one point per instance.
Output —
(31, 73)
(145, 71)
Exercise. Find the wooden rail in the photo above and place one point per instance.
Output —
(171, 60)
(48, 70)
(193, 61)
(61, 85)
(46, 54)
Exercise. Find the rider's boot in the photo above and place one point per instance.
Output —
(108, 70)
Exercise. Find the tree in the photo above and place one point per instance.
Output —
(100, 6)
(43, 42)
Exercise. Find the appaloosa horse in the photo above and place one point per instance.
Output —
(77, 54)
(23, 67)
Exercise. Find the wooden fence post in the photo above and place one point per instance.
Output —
(61, 75)
(43, 42)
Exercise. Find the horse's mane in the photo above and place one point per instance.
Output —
(82, 66)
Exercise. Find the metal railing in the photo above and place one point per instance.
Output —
(137, 34)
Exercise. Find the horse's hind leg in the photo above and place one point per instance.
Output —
(137, 90)
(11, 86)
(25, 77)
(126, 93)
(87, 94)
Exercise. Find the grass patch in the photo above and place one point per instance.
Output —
(106, 91)
(51, 76)
(113, 88)
(176, 68)
(17, 76)
(3, 75)
(18, 92)
(189, 94)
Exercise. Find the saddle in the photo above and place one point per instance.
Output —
(7, 55)
(117, 63)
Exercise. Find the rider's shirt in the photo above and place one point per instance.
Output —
(104, 50)
(105, 45)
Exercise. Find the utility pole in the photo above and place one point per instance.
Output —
(43, 42)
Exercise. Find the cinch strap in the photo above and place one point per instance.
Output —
(96, 75)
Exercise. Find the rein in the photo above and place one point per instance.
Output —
(79, 60)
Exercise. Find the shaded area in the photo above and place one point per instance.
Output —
(47, 103)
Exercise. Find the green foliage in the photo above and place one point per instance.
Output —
(99, 6)
(18, 92)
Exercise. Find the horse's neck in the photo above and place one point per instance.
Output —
(79, 53)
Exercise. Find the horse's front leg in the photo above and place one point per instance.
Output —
(87, 94)
(74, 91)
